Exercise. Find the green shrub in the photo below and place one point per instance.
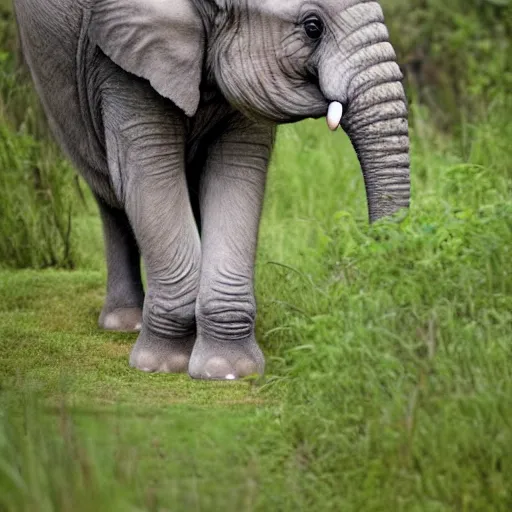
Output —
(457, 54)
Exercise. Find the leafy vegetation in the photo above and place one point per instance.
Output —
(389, 377)
(457, 55)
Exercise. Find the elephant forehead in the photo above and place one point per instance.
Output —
(285, 9)
(289, 10)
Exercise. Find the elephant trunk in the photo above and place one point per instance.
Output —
(363, 75)
(376, 122)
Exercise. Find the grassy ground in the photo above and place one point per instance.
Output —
(389, 380)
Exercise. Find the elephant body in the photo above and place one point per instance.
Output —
(168, 109)
(71, 74)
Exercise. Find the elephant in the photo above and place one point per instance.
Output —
(169, 109)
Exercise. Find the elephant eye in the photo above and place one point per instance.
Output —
(314, 27)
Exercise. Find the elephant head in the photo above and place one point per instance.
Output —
(281, 61)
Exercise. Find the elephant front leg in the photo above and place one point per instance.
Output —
(146, 137)
(165, 228)
(231, 199)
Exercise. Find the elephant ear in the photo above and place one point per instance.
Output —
(159, 40)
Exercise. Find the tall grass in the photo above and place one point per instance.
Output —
(397, 356)
(36, 207)
(45, 466)
(37, 186)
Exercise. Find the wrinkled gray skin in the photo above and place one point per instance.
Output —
(168, 108)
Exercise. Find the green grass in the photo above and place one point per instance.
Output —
(389, 377)
(38, 189)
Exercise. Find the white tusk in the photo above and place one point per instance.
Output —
(334, 115)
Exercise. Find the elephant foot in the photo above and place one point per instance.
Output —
(121, 319)
(154, 354)
(213, 360)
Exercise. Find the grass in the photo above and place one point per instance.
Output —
(36, 215)
(389, 379)
(40, 183)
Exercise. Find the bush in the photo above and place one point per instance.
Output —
(456, 55)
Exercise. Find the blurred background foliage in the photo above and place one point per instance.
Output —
(456, 54)
(457, 61)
